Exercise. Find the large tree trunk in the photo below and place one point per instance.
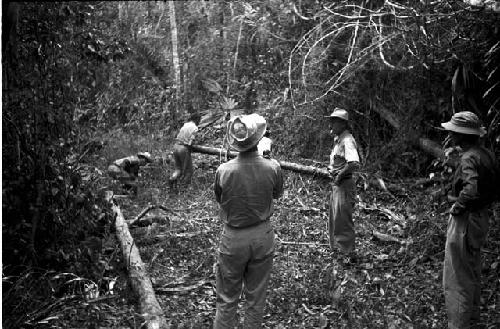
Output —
(284, 164)
(175, 57)
(139, 280)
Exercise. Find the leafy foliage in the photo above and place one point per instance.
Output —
(53, 216)
(394, 284)
(79, 76)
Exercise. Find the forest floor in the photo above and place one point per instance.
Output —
(396, 283)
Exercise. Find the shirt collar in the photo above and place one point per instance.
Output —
(253, 154)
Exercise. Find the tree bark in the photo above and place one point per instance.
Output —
(311, 170)
(139, 280)
(175, 55)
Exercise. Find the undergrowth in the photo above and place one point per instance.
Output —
(394, 285)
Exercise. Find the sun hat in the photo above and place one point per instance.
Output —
(145, 155)
(245, 131)
(339, 113)
(465, 122)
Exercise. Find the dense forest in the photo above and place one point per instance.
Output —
(85, 83)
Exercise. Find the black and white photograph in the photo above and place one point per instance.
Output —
(250, 164)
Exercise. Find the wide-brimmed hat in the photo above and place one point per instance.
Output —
(466, 123)
(339, 113)
(245, 131)
(146, 156)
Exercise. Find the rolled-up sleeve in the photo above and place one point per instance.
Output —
(192, 138)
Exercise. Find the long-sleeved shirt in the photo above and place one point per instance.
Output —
(245, 188)
(187, 133)
(474, 181)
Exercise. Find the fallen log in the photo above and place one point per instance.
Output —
(311, 170)
(139, 280)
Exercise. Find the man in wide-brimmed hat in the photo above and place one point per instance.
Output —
(245, 188)
(473, 190)
(126, 170)
(183, 161)
(344, 162)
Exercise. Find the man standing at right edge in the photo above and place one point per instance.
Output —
(474, 188)
(344, 161)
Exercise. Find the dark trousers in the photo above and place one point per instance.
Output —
(462, 267)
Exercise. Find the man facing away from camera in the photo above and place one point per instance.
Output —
(245, 188)
(183, 161)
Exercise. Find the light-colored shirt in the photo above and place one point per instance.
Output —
(264, 145)
(344, 150)
(187, 133)
(245, 188)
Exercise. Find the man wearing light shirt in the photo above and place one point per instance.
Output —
(182, 151)
(265, 145)
(344, 161)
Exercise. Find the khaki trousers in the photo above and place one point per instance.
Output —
(340, 223)
(183, 165)
(244, 264)
(462, 267)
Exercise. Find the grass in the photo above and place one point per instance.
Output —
(393, 286)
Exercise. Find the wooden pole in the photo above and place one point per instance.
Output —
(311, 170)
(139, 280)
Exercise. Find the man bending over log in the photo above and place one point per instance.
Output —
(182, 152)
(245, 188)
(344, 161)
(126, 170)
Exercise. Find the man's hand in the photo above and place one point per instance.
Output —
(334, 175)
(330, 170)
(456, 210)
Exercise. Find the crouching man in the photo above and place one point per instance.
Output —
(126, 170)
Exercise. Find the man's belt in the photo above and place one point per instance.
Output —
(248, 226)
